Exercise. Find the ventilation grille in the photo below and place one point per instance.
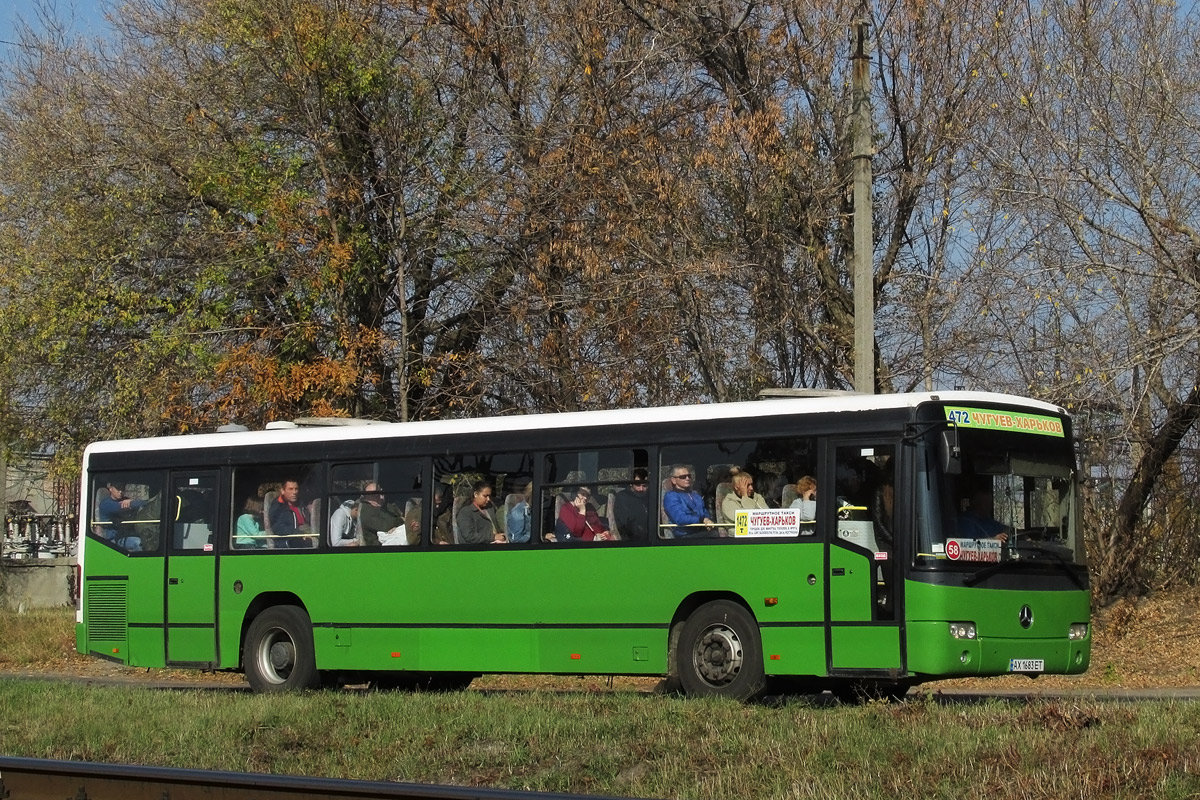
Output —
(106, 611)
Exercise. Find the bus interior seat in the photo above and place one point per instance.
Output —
(788, 496)
(268, 502)
(664, 532)
(560, 497)
(610, 511)
(455, 507)
(314, 523)
(97, 528)
(724, 489)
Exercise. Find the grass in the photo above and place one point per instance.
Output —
(37, 636)
(591, 740)
(628, 744)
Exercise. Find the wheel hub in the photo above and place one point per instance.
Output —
(278, 657)
(282, 655)
(718, 655)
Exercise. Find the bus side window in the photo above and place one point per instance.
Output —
(290, 515)
(127, 510)
(735, 478)
(485, 477)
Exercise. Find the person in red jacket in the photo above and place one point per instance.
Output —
(578, 519)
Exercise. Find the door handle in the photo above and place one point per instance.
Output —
(837, 571)
(173, 581)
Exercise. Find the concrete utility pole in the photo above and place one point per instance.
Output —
(862, 127)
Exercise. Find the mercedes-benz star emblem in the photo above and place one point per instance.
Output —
(1025, 617)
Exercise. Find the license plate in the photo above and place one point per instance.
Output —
(1027, 665)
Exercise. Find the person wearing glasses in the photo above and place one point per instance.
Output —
(684, 506)
(476, 525)
(631, 506)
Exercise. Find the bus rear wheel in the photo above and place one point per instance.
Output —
(719, 653)
(279, 654)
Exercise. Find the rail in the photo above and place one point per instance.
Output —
(45, 779)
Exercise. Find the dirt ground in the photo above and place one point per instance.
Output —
(1151, 642)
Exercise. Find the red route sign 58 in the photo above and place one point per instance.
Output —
(952, 550)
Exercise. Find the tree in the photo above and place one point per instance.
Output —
(1098, 159)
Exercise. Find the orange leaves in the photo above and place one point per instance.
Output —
(251, 384)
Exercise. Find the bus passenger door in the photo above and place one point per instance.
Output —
(858, 502)
(192, 569)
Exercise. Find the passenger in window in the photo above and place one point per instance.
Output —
(288, 521)
(112, 511)
(249, 531)
(476, 525)
(806, 498)
(632, 512)
(684, 507)
(343, 525)
(517, 520)
(382, 524)
(578, 519)
(743, 497)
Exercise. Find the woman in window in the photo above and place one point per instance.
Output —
(578, 519)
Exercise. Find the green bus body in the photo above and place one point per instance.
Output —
(808, 608)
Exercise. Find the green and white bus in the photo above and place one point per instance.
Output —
(944, 541)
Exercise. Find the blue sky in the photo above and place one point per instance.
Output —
(86, 16)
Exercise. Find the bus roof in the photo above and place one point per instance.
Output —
(576, 419)
(696, 413)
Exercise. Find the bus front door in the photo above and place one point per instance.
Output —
(864, 634)
(191, 592)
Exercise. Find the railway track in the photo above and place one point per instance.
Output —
(45, 779)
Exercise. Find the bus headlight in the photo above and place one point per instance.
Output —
(962, 630)
(1078, 630)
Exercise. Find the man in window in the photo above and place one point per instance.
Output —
(288, 520)
(112, 510)
(684, 506)
(382, 522)
(633, 506)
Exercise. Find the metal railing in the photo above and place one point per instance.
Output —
(43, 778)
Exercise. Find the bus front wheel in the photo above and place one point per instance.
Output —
(719, 653)
(279, 655)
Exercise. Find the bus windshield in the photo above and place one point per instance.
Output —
(997, 496)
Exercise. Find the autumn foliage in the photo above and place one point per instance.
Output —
(236, 211)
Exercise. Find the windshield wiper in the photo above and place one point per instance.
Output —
(988, 572)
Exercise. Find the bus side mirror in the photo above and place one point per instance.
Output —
(950, 451)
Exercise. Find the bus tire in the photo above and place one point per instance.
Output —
(279, 653)
(719, 653)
